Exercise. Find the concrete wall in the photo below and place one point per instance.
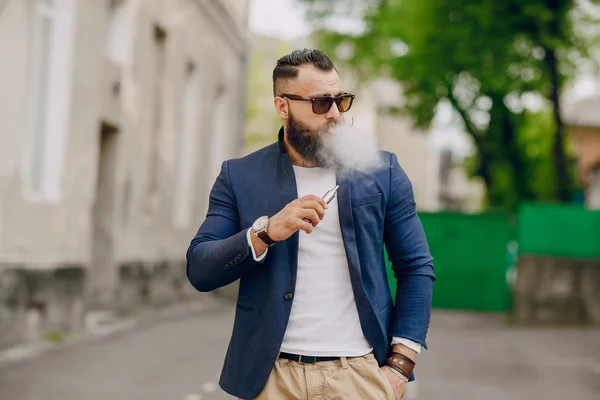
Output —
(554, 291)
(593, 190)
(104, 234)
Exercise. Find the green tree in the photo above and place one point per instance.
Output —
(485, 58)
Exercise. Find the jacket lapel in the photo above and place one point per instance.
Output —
(347, 226)
(284, 192)
(368, 319)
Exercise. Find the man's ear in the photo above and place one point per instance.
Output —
(282, 107)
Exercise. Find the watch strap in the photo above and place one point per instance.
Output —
(262, 235)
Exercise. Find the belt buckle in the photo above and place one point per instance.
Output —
(309, 363)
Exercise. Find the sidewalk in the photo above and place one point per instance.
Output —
(100, 325)
(477, 357)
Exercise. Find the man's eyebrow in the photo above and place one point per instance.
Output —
(327, 94)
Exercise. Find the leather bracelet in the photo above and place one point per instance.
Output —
(402, 363)
(397, 370)
(399, 374)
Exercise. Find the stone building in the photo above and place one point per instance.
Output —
(116, 117)
(583, 121)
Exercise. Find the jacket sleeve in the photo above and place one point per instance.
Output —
(219, 253)
(411, 260)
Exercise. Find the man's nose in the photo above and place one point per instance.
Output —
(333, 112)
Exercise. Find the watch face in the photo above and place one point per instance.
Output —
(260, 223)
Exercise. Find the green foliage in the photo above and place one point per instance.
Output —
(535, 138)
(483, 57)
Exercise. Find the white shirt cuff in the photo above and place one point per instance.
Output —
(408, 343)
(262, 256)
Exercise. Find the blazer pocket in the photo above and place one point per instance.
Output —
(363, 201)
(244, 307)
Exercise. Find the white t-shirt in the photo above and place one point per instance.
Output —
(324, 319)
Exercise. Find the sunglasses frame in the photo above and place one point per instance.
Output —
(334, 99)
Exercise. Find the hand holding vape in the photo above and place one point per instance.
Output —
(330, 195)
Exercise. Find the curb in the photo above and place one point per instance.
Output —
(109, 327)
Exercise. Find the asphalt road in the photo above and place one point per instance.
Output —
(471, 357)
(176, 358)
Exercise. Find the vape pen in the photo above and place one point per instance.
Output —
(330, 195)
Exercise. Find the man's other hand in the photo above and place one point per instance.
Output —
(398, 385)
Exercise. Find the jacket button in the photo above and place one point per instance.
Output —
(289, 295)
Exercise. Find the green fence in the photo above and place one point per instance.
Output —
(471, 255)
(559, 230)
(470, 258)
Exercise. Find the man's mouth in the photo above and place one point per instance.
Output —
(326, 130)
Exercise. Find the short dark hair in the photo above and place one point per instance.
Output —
(287, 66)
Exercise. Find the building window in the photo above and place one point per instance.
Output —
(50, 96)
(119, 39)
(160, 42)
(186, 149)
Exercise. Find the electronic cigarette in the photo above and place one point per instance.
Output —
(330, 195)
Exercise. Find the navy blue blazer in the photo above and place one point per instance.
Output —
(375, 209)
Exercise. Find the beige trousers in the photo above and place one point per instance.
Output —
(356, 378)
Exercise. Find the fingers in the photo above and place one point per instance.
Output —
(305, 226)
(309, 215)
(314, 205)
(312, 197)
(306, 212)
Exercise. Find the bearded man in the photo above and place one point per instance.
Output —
(315, 317)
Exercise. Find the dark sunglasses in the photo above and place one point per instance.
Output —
(322, 104)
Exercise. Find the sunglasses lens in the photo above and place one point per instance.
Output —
(322, 105)
(344, 103)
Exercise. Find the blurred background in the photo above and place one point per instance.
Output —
(115, 117)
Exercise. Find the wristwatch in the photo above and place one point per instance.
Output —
(260, 229)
